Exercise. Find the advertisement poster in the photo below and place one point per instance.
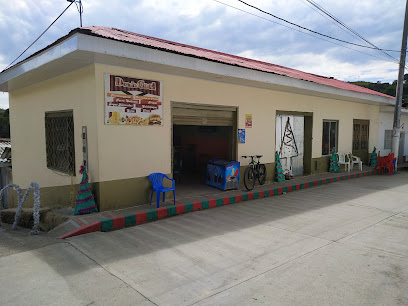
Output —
(133, 101)
(241, 135)
(248, 120)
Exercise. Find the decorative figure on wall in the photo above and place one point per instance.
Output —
(288, 148)
(21, 200)
(279, 176)
(85, 202)
(334, 162)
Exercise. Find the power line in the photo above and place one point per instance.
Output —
(338, 21)
(297, 30)
(323, 15)
(304, 28)
(38, 37)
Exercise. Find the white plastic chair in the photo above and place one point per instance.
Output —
(355, 160)
(344, 159)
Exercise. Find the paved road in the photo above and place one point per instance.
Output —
(343, 243)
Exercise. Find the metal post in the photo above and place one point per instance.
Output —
(80, 12)
(400, 83)
(85, 147)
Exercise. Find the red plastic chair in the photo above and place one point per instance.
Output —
(157, 180)
(380, 163)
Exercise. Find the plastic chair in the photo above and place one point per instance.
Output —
(157, 180)
(344, 161)
(355, 160)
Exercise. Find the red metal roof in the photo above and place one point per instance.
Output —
(165, 45)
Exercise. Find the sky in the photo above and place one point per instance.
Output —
(225, 27)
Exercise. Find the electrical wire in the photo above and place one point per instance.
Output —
(323, 15)
(306, 29)
(338, 21)
(297, 30)
(38, 37)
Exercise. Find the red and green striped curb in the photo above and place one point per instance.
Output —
(133, 219)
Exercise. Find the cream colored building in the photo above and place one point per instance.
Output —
(385, 132)
(204, 97)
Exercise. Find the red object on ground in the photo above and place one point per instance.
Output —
(141, 217)
(161, 212)
(118, 222)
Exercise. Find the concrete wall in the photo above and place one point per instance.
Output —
(126, 153)
(75, 91)
(386, 121)
(260, 139)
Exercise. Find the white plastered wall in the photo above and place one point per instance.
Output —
(136, 151)
(386, 121)
(121, 152)
(75, 90)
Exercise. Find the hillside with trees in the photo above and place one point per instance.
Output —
(4, 123)
(387, 88)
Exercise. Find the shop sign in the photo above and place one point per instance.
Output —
(248, 120)
(133, 101)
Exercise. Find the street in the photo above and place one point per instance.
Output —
(342, 243)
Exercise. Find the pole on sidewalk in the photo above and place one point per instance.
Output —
(400, 83)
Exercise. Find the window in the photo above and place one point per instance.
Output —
(329, 136)
(388, 140)
(59, 141)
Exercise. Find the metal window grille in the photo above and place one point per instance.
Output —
(388, 140)
(59, 139)
(329, 136)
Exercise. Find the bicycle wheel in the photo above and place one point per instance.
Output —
(249, 178)
(262, 174)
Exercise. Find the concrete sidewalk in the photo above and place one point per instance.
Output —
(77, 225)
(338, 244)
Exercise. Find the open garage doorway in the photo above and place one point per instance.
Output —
(200, 133)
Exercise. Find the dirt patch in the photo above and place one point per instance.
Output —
(48, 218)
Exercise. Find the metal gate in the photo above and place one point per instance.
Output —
(290, 142)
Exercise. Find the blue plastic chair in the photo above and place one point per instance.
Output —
(157, 180)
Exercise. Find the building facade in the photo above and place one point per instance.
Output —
(140, 105)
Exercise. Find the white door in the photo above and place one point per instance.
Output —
(290, 142)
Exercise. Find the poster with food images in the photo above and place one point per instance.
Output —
(248, 120)
(133, 101)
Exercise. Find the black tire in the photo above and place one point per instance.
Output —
(249, 178)
(262, 174)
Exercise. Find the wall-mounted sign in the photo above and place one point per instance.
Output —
(248, 120)
(241, 135)
(133, 101)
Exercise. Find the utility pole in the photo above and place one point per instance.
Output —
(400, 85)
(80, 8)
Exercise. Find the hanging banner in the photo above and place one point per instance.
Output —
(133, 101)
(248, 120)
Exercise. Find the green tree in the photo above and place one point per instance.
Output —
(4, 123)
(387, 88)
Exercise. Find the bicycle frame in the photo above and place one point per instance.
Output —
(254, 165)
(257, 170)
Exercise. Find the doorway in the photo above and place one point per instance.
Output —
(360, 139)
(201, 133)
(294, 141)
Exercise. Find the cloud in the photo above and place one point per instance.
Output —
(323, 64)
(212, 25)
(4, 100)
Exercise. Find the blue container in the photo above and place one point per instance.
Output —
(223, 174)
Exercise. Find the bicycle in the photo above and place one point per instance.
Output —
(255, 170)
